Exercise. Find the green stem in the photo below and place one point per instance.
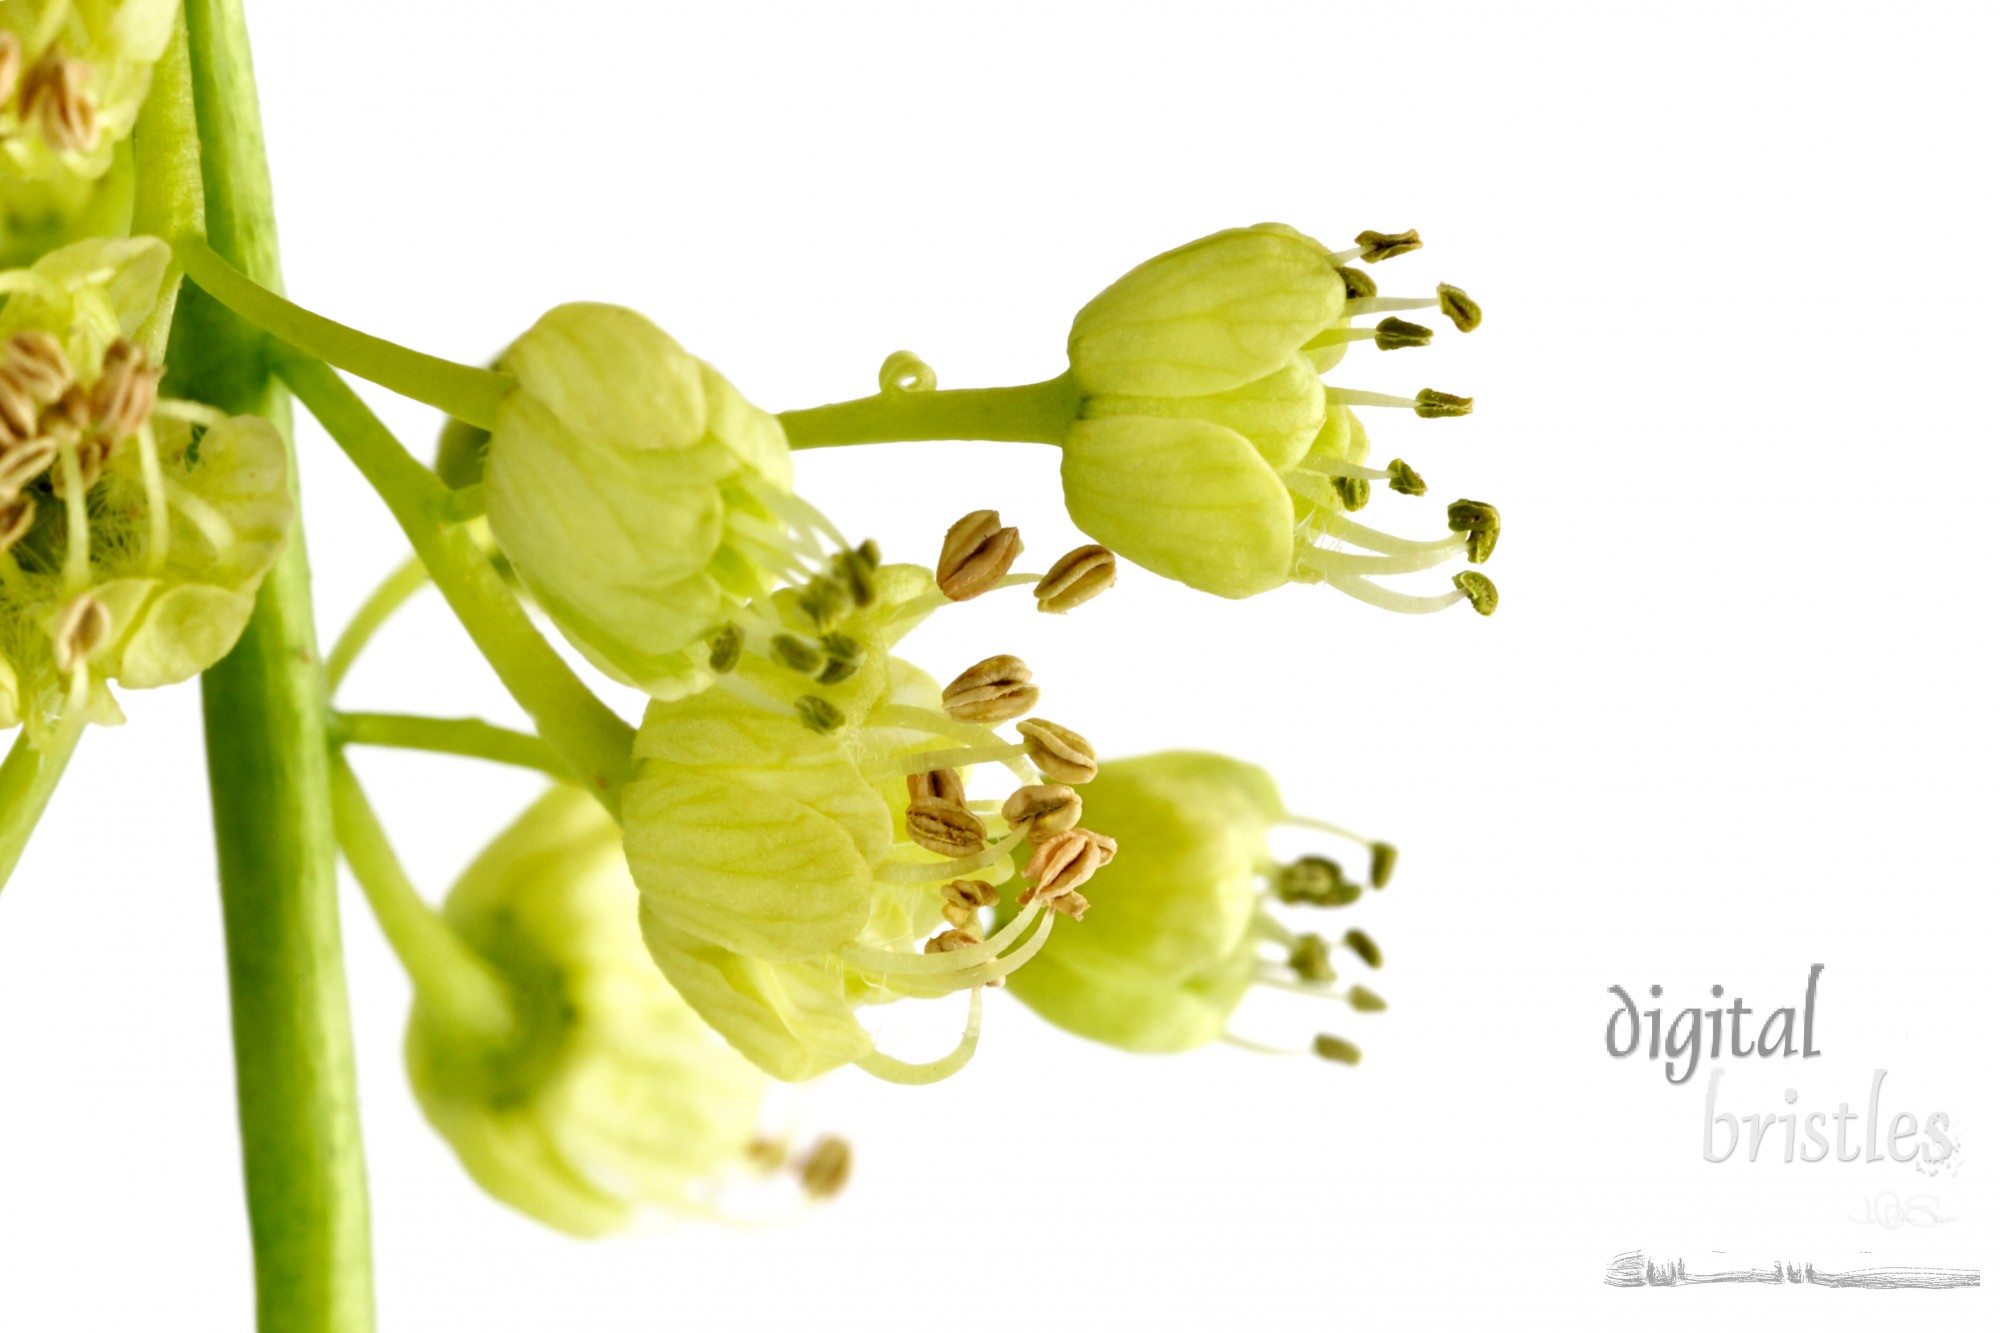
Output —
(385, 601)
(471, 737)
(265, 710)
(466, 392)
(593, 741)
(454, 985)
(27, 780)
(1031, 413)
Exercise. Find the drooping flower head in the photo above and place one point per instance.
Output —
(609, 1097)
(134, 530)
(73, 74)
(1185, 923)
(639, 497)
(1205, 446)
(807, 834)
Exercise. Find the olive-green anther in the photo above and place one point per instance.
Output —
(1370, 953)
(843, 658)
(1353, 491)
(1307, 880)
(1341, 1051)
(1309, 959)
(1393, 333)
(819, 715)
(1478, 590)
(1359, 285)
(1381, 863)
(1479, 545)
(1377, 246)
(825, 600)
(725, 650)
(1431, 403)
(870, 553)
(796, 653)
(1365, 1000)
(1459, 308)
(858, 574)
(1472, 516)
(1403, 479)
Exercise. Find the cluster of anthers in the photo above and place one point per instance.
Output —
(1303, 960)
(1332, 479)
(51, 97)
(57, 434)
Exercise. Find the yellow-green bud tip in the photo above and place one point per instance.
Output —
(1377, 246)
(1459, 308)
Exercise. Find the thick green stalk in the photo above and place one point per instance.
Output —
(267, 754)
(1031, 413)
(27, 779)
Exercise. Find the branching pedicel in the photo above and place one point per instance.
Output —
(805, 824)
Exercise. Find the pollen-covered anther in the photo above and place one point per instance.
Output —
(33, 363)
(1359, 285)
(1064, 863)
(1377, 246)
(1353, 492)
(21, 463)
(825, 1167)
(998, 689)
(1393, 334)
(964, 897)
(1365, 947)
(791, 651)
(55, 95)
(1381, 864)
(1337, 1049)
(1072, 905)
(80, 629)
(1432, 403)
(1403, 479)
(844, 657)
(938, 784)
(1366, 1001)
(1479, 590)
(950, 941)
(1075, 579)
(977, 554)
(1460, 309)
(1315, 881)
(857, 568)
(944, 827)
(1309, 959)
(16, 517)
(819, 715)
(1058, 752)
(1481, 524)
(1043, 810)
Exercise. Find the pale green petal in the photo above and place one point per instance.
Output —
(1279, 414)
(791, 1020)
(612, 376)
(1211, 316)
(178, 634)
(1188, 500)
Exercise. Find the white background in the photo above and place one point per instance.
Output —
(1735, 715)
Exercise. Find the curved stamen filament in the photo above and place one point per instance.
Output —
(1335, 467)
(180, 409)
(214, 528)
(1306, 821)
(1335, 564)
(937, 601)
(1342, 528)
(1362, 590)
(919, 988)
(995, 751)
(1386, 305)
(937, 872)
(1364, 398)
(157, 517)
(1267, 927)
(930, 721)
(76, 555)
(891, 1070)
(898, 963)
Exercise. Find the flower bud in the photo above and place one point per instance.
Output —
(609, 1095)
(639, 497)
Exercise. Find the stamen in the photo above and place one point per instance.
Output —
(1374, 594)
(1403, 479)
(825, 1168)
(1309, 959)
(1358, 941)
(1481, 521)
(1359, 285)
(1335, 564)
(964, 897)
(1043, 811)
(932, 872)
(54, 94)
(80, 629)
(1390, 335)
(1388, 305)
(158, 519)
(977, 553)
(1058, 752)
(1364, 1000)
(944, 827)
(1317, 881)
(15, 520)
(899, 963)
(1428, 403)
(1459, 308)
(891, 1070)
(1329, 1047)
(995, 690)
(940, 784)
(1377, 246)
(819, 715)
(1478, 590)
(180, 409)
(1075, 579)
(964, 756)
(76, 558)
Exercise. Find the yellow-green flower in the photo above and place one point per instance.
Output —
(609, 1096)
(639, 497)
(1183, 924)
(134, 530)
(804, 842)
(1205, 447)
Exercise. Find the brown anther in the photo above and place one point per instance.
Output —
(964, 897)
(80, 629)
(1058, 752)
(16, 517)
(1075, 579)
(1107, 847)
(940, 784)
(69, 414)
(995, 690)
(53, 93)
(1072, 905)
(977, 554)
(1061, 865)
(10, 64)
(19, 412)
(944, 827)
(949, 941)
(34, 360)
(20, 464)
(825, 1168)
(1043, 811)
(1377, 246)
(125, 392)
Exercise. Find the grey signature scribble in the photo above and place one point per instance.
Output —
(1634, 1269)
